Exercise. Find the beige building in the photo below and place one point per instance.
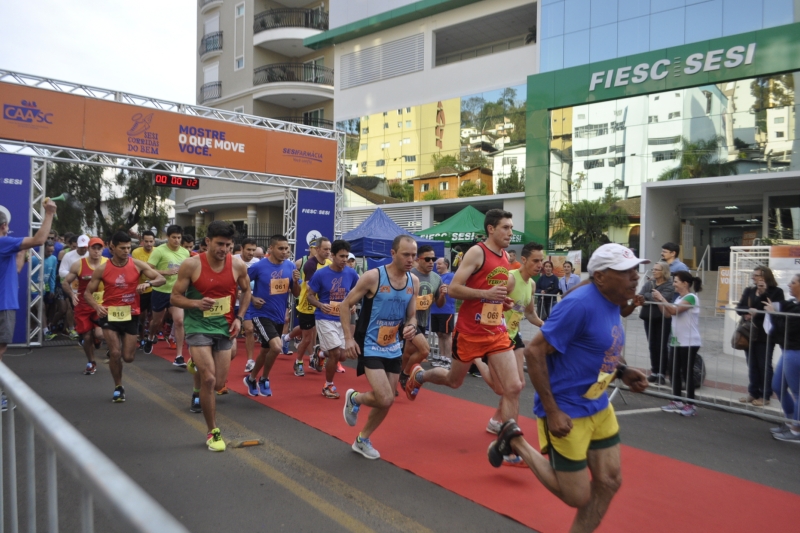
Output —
(251, 59)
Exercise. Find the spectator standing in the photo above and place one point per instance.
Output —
(669, 253)
(513, 264)
(570, 280)
(656, 325)
(546, 289)
(443, 319)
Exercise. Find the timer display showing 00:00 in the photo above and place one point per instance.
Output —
(179, 182)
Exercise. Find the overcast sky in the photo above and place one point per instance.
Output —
(146, 47)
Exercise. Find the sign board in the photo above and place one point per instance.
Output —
(784, 261)
(15, 202)
(53, 118)
(559, 258)
(723, 287)
(314, 217)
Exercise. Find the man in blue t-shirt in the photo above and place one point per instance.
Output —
(669, 253)
(571, 363)
(443, 319)
(273, 278)
(326, 291)
(12, 258)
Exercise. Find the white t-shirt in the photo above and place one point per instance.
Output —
(686, 325)
(250, 263)
(69, 259)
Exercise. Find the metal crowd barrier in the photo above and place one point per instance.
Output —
(96, 477)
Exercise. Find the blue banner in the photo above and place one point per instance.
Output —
(314, 218)
(15, 201)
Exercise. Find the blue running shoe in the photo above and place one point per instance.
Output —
(263, 387)
(252, 387)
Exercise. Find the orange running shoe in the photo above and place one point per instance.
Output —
(413, 386)
(171, 343)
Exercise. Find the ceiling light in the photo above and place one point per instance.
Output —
(731, 207)
(713, 221)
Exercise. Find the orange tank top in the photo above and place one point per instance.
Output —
(84, 277)
(120, 285)
(482, 316)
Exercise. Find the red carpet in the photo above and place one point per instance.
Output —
(442, 439)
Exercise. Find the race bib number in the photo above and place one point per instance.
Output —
(603, 381)
(514, 320)
(334, 308)
(387, 335)
(492, 314)
(424, 302)
(279, 286)
(98, 297)
(221, 307)
(119, 313)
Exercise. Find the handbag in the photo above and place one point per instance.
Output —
(741, 337)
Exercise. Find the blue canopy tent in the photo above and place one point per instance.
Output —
(373, 237)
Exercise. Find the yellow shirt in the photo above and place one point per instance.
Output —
(302, 301)
(140, 254)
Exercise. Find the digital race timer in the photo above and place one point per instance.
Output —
(179, 182)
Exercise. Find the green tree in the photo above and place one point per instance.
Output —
(515, 182)
(699, 159)
(441, 161)
(401, 191)
(583, 225)
(469, 188)
(432, 195)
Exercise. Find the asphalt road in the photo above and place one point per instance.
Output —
(305, 480)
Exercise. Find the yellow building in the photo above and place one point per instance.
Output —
(400, 144)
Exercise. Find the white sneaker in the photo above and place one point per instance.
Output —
(673, 407)
(248, 367)
(493, 426)
(365, 448)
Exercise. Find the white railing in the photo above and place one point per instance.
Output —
(96, 477)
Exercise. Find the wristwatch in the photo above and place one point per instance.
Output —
(621, 370)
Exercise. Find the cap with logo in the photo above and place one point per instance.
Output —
(615, 257)
(83, 241)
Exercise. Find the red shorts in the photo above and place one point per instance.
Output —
(84, 318)
(468, 347)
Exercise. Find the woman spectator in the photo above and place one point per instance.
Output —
(762, 346)
(787, 374)
(684, 338)
(656, 325)
(569, 281)
(547, 289)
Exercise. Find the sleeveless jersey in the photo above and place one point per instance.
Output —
(120, 286)
(84, 277)
(481, 316)
(382, 317)
(222, 287)
(302, 300)
(521, 295)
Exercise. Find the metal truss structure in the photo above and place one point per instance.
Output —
(36, 316)
(43, 154)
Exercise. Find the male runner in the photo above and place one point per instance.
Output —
(142, 253)
(206, 288)
(118, 314)
(443, 317)
(166, 259)
(319, 253)
(272, 279)
(388, 313)
(326, 291)
(85, 315)
(571, 363)
(187, 242)
(71, 257)
(259, 253)
(483, 283)
(416, 351)
(248, 255)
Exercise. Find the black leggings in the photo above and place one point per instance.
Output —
(657, 333)
(683, 358)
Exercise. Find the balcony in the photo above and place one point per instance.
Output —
(282, 30)
(315, 122)
(210, 91)
(208, 5)
(293, 85)
(210, 45)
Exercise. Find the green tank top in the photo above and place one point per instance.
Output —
(522, 297)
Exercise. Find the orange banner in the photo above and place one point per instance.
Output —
(49, 117)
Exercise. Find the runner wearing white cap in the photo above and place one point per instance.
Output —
(69, 259)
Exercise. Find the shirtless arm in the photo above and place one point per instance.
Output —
(532, 316)
(156, 279)
(66, 283)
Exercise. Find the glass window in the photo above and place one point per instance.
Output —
(400, 124)
(603, 12)
(408, 110)
(380, 163)
(410, 173)
(604, 43)
(408, 123)
(399, 174)
(665, 5)
(240, 10)
(442, 185)
(629, 9)
(598, 186)
(424, 187)
(740, 16)
(407, 140)
(552, 20)
(576, 49)
(666, 29)
(703, 21)
(777, 12)
(552, 54)
(399, 111)
(365, 131)
(633, 36)
(239, 63)
(363, 146)
(778, 120)
(576, 15)
(409, 158)
(652, 118)
(779, 134)
(675, 114)
(386, 125)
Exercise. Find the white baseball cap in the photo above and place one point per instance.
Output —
(615, 257)
(350, 256)
(83, 241)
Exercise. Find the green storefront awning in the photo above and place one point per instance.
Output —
(464, 227)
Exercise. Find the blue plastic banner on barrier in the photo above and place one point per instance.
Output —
(15, 201)
(314, 218)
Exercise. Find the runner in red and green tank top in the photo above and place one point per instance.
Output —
(206, 289)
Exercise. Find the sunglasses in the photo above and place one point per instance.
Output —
(427, 259)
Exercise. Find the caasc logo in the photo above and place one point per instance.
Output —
(27, 112)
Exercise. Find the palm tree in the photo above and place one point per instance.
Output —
(699, 159)
(583, 224)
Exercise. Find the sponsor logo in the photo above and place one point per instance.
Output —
(27, 112)
(140, 140)
(384, 288)
(305, 157)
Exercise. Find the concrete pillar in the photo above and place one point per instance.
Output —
(199, 219)
(252, 219)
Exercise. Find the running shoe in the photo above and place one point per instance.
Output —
(350, 408)
(252, 386)
(329, 391)
(339, 368)
(172, 344)
(147, 346)
(502, 446)
(264, 388)
(179, 362)
(403, 379)
(493, 426)
(514, 460)
(688, 410)
(365, 448)
(248, 367)
(90, 369)
(780, 429)
(49, 336)
(195, 406)
(298, 369)
(73, 334)
(413, 386)
(673, 407)
(161, 335)
(436, 361)
(223, 390)
(285, 345)
(191, 367)
(119, 394)
(787, 436)
(214, 441)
